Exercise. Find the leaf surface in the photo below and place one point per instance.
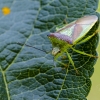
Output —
(30, 74)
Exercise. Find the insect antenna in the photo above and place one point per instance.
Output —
(31, 46)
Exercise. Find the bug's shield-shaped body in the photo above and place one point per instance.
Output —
(71, 34)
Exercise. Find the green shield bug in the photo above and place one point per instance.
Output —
(70, 35)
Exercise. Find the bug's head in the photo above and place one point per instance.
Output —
(59, 42)
(61, 37)
(55, 51)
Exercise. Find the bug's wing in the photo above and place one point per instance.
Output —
(67, 29)
(79, 28)
(66, 33)
(82, 26)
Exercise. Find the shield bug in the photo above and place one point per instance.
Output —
(72, 34)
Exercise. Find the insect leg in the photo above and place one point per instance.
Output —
(87, 38)
(83, 53)
(57, 56)
(65, 65)
(71, 61)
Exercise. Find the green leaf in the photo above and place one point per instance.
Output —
(30, 74)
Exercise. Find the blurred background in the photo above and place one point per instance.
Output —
(95, 88)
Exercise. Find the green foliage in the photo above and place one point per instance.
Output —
(30, 74)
